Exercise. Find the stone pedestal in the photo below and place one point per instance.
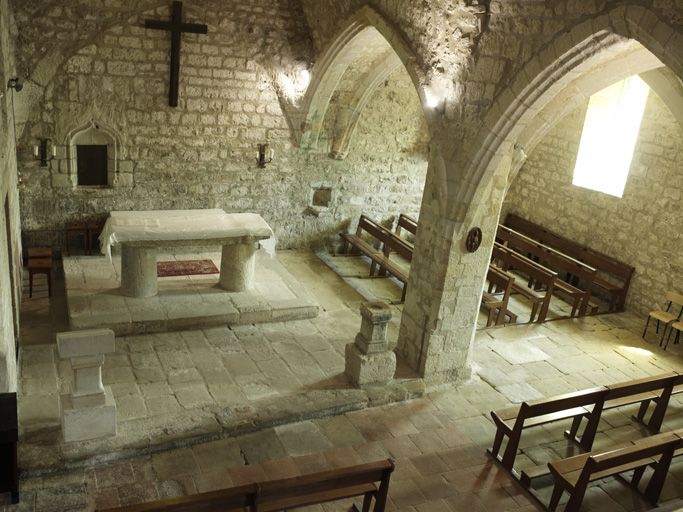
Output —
(89, 411)
(238, 262)
(138, 271)
(369, 360)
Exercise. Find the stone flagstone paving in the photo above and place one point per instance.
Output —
(438, 441)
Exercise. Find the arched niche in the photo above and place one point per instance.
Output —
(89, 136)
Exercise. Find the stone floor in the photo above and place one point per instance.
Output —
(94, 299)
(438, 441)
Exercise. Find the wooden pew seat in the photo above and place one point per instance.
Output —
(369, 480)
(575, 473)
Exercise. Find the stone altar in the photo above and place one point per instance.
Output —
(140, 233)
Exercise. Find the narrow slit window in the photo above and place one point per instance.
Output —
(609, 136)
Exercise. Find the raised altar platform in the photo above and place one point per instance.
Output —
(94, 298)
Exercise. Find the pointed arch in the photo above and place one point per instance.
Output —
(364, 26)
(548, 74)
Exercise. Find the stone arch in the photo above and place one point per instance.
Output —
(351, 111)
(92, 133)
(437, 327)
(364, 25)
(552, 70)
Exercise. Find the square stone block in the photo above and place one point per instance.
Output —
(369, 369)
(85, 343)
(89, 423)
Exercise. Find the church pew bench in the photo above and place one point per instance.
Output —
(368, 480)
(512, 421)
(549, 257)
(573, 474)
(604, 263)
(379, 258)
(406, 222)
(371, 481)
(637, 391)
(226, 500)
(545, 278)
(498, 301)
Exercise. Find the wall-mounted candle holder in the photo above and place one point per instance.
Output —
(261, 157)
(40, 152)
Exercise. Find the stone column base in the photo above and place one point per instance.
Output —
(89, 422)
(369, 369)
(237, 267)
(138, 271)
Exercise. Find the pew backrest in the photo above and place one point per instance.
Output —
(406, 222)
(389, 240)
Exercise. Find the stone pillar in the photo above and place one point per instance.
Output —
(138, 271)
(89, 411)
(369, 360)
(238, 262)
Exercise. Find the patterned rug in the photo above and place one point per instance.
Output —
(185, 268)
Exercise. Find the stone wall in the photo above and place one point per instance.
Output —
(642, 228)
(202, 154)
(10, 268)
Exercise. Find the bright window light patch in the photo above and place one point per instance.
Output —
(609, 136)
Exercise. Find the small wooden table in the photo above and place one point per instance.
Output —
(140, 233)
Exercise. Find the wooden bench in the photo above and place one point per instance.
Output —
(368, 480)
(637, 391)
(602, 262)
(549, 257)
(338, 484)
(406, 222)
(575, 473)
(540, 298)
(502, 281)
(512, 421)
(379, 257)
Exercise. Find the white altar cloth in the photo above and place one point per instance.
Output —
(141, 233)
(155, 227)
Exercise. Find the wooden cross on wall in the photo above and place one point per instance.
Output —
(176, 27)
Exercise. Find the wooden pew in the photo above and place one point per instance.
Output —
(512, 421)
(406, 222)
(539, 298)
(575, 473)
(327, 486)
(379, 258)
(602, 262)
(658, 387)
(547, 256)
(369, 480)
(228, 500)
(502, 281)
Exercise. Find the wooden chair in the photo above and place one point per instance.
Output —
(666, 317)
(76, 229)
(40, 266)
(678, 327)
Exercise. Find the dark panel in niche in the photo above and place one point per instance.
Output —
(92, 165)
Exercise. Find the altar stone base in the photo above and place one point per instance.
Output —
(138, 271)
(82, 424)
(238, 263)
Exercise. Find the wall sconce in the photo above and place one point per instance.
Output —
(40, 152)
(261, 156)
